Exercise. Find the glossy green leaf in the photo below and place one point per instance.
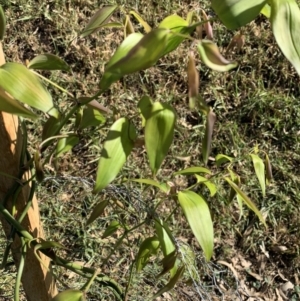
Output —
(170, 285)
(2, 23)
(98, 210)
(11, 105)
(163, 187)
(237, 13)
(141, 21)
(269, 175)
(148, 247)
(51, 127)
(210, 185)
(91, 117)
(98, 20)
(66, 144)
(159, 132)
(206, 143)
(259, 168)
(198, 216)
(285, 20)
(212, 58)
(221, 159)
(192, 170)
(48, 61)
(70, 295)
(117, 147)
(24, 86)
(112, 228)
(247, 200)
(140, 56)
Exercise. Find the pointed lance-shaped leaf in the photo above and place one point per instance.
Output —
(212, 57)
(117, 147)
(221, 159)
(2, 23)
(193, 81)
(141, 21)
(269, 175)
(10, 105)
(237, 13)
(91, 117)
(198, 216)
(192, 170)
(159, 132)
(98, 210)
(48, 61)
(206, 144)
(175, 278)
(266, 11)
(51, 127)
(128, 27)
(66, 144)
(207, 26)
(145, 105)
(112, 228)
(135, 56)
(163, 187)
(70, 295)
(259, 168)
(237, 180)
(148, 248)
(98, 20)
(285, 20)
(210, 185)
(246, 200)
(24, 86)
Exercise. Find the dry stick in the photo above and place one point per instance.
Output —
(37, 282)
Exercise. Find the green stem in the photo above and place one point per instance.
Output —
(20, 270)
(87, 285)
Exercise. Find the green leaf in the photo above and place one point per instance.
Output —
(140, 56)
(198, 216)
(259, 168)
(211, 186)
(117, 147)
(91, 117)
(168, 263)
(236, 180)
(66, 144)
(145, 105)
(192, 170)
(148, 248)
(266, 11)
(51, 127)
(98, 20)
(48, 61)
(206, 144)
(171, 283)
(112, 228)
(237, 13)
(141, 20)
(159, 132)
(2, 23)
(178, 29)
(246, 200)
(221, 159)
(212, 57)
(285, 20)
(269, 175)
(164, 236)
(70, 295)
(12, 106)
(24, 86)
(163, 187)
(98, 210)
